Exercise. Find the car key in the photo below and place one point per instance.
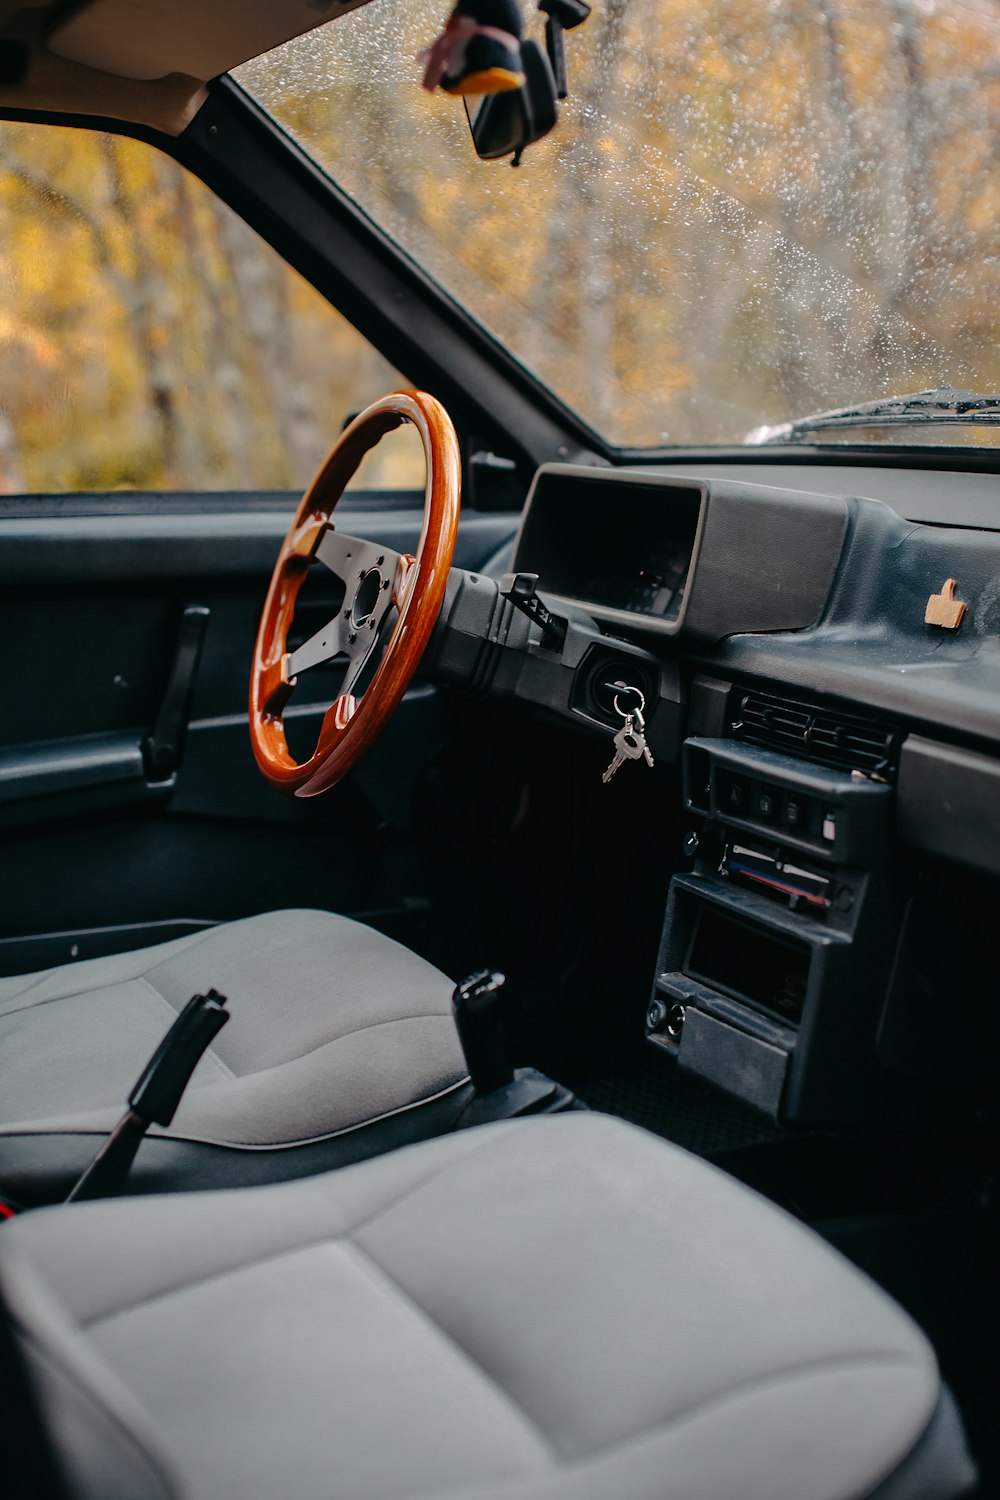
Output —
(627, 747)
(640, 734)
(635, 714)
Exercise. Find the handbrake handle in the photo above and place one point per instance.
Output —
(156, 1095)
(168, 1072)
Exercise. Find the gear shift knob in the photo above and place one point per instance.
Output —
(477, 1005)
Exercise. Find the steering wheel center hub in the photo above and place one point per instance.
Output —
(366, 599)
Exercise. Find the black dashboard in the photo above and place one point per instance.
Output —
(826, 595)
(836, 741)
(700, 560)
(622, 545)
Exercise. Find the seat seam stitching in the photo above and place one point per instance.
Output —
(223, 1065)
(189, 1285)
(95, 1402)
(321, 1239)
(423, 1015)
(884, 1357)
(209, 1052)
(412, 1303)
(657, 1427)
(20, 994)
(17, 1129)
(90, 989)
(193, 939)
(620, 1446)
(142, 979)
(189, 941)
(416, 1187)
(665, 1424)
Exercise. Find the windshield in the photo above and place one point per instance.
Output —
(749, 210)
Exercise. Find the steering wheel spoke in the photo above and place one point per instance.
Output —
(352, 559)
(359, 656)
(320, 648)
(379, 583)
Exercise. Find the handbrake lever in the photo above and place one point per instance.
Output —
(156, 1095)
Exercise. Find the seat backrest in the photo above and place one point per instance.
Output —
(27, 1461)
(72, 1433)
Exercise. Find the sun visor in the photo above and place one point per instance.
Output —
(150, 39)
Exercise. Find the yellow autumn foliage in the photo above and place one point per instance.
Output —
(750, 209)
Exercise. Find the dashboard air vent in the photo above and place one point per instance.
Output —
(842, 741)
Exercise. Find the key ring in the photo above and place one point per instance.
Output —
(624, 713)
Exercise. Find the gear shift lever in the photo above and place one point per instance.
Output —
(501, 1092)
(477, 1005)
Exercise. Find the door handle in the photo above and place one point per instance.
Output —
(163, 746)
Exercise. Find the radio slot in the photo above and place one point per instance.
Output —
(777, 877)
(773, 964)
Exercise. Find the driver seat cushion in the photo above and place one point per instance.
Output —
(333, 1026)
(563, 1308)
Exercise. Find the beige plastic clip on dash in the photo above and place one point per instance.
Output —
(944, 609)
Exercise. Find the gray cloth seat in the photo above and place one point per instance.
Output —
(341, 1044)
(563, 1308)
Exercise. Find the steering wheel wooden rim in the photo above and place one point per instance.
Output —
(416, 589)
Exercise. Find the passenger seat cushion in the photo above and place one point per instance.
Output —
(556, 1308)
(332, 1025)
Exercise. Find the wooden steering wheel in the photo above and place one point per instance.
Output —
(377, 581)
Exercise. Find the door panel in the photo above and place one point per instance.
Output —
(94, 603)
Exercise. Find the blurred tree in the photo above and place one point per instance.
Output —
(750, 209)
(148, 339)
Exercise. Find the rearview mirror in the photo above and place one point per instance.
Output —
(503, 124)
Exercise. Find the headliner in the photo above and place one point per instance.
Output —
(145, 61)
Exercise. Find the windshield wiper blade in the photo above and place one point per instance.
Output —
(946, 404)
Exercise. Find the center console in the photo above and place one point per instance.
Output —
(773, 961)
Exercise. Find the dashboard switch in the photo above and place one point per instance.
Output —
(734, 796)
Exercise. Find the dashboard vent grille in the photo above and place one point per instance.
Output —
(844, 742)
